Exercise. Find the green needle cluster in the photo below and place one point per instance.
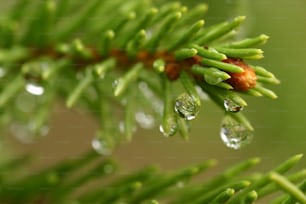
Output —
(102, 56)
(59, 183)
(101, 60)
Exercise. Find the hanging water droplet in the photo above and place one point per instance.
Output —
(39, 130)
(149, 33)
(186, 106)
(26, 102)
(234, 134)
(144, 120)
(101, 146)
(232, 106)
(168, 133)
(28, 132)
(21, 132)
(2, 72)
(32, 73)
(122, 128)
(34, 88)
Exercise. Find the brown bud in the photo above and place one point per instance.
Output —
(241, 81)
(173, 71)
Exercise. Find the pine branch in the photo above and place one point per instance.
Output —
(99, 60)
(79, 57)
(59, 183)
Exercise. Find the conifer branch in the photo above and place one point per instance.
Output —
(91, 56)
(100, 60)
(58, 183)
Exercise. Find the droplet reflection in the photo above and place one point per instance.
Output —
(28, 132)
(144, 120)
(231, 106)
(168, 133)
(101, 146)
(34, 88)
(2, 72)
(233, 134)
(26, 102)
(186, 107)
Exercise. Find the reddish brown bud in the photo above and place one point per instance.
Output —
(193, 60)
(241, 81)
(173, 71)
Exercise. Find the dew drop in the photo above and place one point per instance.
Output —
(41, 130)
(28, 132)
(233, 134)
(101, 146)
(2, 72)
(32, 73)
(172, 130)
(34, 88)
(144, 120)
(22, 132)
(26, 102)
(232, 106)
(186, 107)
(122, 128)
(149, 33)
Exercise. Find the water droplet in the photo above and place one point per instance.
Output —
(20, 131)
(2, 72)
(172, 130)
(144, 120)
(25, 102)
(32, 73)
(34, 88)
(149, 33)
(41, 130)
(101, 146)
(234, 134)
(122, 127)
(232, 106)
(27, 132)
(186, 107)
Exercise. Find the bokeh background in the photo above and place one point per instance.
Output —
(280, 124)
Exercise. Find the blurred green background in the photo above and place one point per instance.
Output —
(280, 124)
